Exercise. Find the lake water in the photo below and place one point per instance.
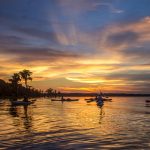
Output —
(123, 123)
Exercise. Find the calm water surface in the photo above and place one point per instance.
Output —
(121, 124)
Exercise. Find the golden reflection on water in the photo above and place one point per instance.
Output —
(23, 116)
(50, 121)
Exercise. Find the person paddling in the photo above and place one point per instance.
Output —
(100, 100)
(25, 99)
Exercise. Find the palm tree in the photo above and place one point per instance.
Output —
(15, 79)
(26, 75)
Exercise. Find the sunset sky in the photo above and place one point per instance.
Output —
(77, 45)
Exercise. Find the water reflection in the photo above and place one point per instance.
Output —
(27, 118)
(102, 114)
(21, 116)
(13, 111)
(121, 124)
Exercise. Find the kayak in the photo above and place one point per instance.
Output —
(107, 99)
(90, 100)
(87, 99)
(66, 100)
(95, 99)
(21, 103)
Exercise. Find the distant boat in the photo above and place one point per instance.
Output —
(90, 100)
(95, 99)
(65, 100)
(17, 103)
(106, 99)
(101, 96)
(87, 99)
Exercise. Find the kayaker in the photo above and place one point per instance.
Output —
(25, 99)
(62, 98)
(100, 100)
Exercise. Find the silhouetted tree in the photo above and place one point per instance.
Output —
(5, 88)
(15, 79)
(49, 92)
(15, 89)
(59, 93)
(26, 75)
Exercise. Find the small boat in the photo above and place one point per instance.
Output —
(65, 100)
(147, 101)
(87, 99)
(71, 100)
(90, 100)
(106, 99)
(95, 99)
(16, 103)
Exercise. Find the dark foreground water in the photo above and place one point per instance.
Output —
(121, 124)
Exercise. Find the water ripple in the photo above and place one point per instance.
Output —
(55, 125)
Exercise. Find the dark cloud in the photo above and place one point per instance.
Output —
(120, 38)
(38, 33)
(141, 53)
(27, 55)
(27, 18)
(141, 87)
(9, 41)
(133, 76)
(128, 75)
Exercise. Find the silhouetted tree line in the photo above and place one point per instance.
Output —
(15, 89)
(53, 93)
